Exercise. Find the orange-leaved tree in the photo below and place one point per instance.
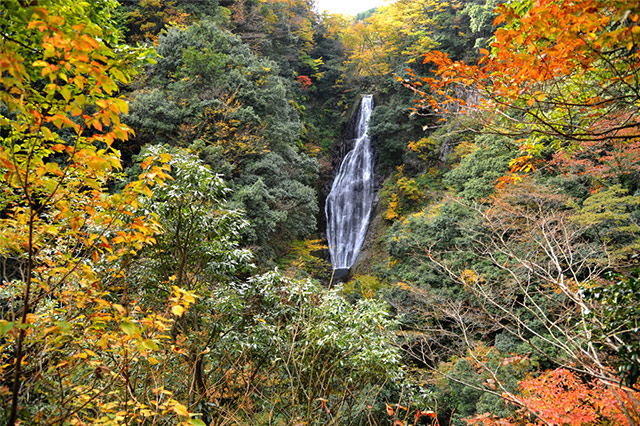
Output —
(558, 398)
(559, 74)
(70, 335)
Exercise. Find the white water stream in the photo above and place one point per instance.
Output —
(349, 203)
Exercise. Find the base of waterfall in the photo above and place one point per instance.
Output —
(339, 274)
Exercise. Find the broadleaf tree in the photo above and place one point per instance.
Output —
(69, 330)
(559, 75)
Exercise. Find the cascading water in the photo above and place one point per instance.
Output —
(349, 203)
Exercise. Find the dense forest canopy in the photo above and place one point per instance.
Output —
(164, 167)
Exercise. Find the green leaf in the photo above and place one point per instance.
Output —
(150, 345)
(65, 91)
(129, 328)
(196, 422)
(5, 327)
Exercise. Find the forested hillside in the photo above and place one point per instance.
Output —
(164, 167)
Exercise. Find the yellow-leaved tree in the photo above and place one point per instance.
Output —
(396, 34)
(70, 334)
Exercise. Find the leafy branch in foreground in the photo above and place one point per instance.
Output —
(69, 330)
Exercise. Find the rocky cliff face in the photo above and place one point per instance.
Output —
(371, 246)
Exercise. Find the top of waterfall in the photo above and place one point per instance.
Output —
(364, 112)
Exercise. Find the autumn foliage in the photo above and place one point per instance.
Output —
(127, 293)
(305, 81)
(559, 75)
(68, 347)
(397, 33)
(559, 398)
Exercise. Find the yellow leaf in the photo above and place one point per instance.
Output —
(177, 310)
(180, 409)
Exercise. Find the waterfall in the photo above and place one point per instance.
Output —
(349, 203)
